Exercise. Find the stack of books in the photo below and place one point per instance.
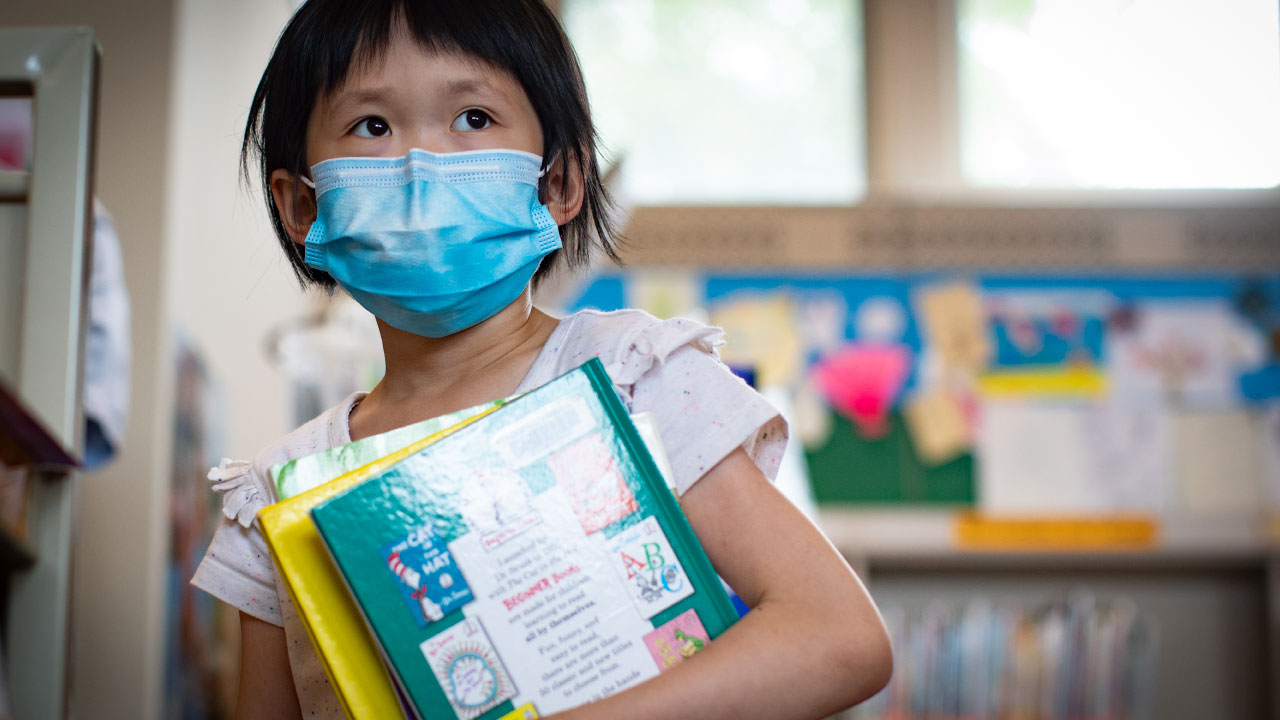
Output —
(1076, 658)
(510, 560)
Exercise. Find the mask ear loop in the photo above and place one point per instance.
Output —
(305, 181)
(542, 189)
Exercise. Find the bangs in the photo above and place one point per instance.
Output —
(361, 32)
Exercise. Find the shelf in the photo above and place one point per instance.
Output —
(923, 539)
(24, 440)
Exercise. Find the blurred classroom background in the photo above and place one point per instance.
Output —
(1011, 269)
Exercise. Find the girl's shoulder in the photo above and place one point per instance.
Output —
(671, 369)
(246, 487)
(629, 343)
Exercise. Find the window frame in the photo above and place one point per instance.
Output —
(916, 194)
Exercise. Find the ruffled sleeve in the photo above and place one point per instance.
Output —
(237, 567)
(702, 410)
(643, 348)
(241, 495)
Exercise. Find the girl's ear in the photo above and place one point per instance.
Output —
(295, 202)
(564, 189)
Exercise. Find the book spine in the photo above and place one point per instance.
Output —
(679, 532)
(386, 659)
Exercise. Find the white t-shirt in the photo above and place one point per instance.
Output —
(667, 368)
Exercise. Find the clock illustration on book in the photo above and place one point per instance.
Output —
(468, 669)
(472, 682)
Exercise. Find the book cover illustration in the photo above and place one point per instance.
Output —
(468, 668)
(588, 474)
(649, 567)
(676, 640)
(539, 510)
(429, 580)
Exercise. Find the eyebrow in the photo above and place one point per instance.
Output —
(345, 101)
(470, 85)
(340, 104)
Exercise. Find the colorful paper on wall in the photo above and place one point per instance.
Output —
(1217, 463)
(1176, 353)
(880, 319)
(939, 426)
(1047, 344)
(823, 320)
(1048, 329)
(1130, 454)
(1072, 458)
(664, 293)
(1056, 532)
(863, 381)
(954, 325)
(761, 332)
(1029, 460)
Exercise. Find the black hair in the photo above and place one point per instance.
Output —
(325, 38)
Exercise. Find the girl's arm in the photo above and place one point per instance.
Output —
(266, 682)
(813, 643)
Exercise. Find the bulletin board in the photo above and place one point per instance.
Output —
(1012, 392)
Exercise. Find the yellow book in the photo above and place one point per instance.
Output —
(351, 658)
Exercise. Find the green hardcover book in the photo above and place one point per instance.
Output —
(532, 560)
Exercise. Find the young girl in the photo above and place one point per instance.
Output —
(435, 159)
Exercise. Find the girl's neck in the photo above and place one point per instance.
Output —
(428, 377)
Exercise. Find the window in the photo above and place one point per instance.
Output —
(726, 101)
(1119, 93)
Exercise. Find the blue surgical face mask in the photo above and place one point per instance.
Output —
(431, 243)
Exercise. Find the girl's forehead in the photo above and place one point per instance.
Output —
(407, 65)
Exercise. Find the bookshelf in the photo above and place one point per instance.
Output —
(44, 270)
(1210, 584)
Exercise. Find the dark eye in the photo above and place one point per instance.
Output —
(473, 119)
(372, 127)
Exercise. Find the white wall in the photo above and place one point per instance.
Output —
(231, 282)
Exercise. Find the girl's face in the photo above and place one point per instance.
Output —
(411, 98)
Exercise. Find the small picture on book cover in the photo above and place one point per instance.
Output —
(497, 505)
(677, 639)
(426, 575)
(649, 567)
(468, 669)
(595, 487)
(544, 431)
